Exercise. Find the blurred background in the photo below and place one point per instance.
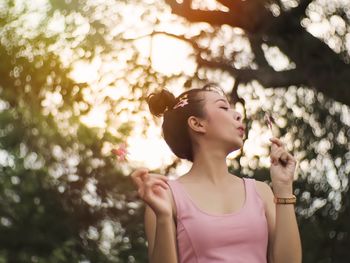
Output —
(74, 76)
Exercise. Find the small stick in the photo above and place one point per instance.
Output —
(269, 120)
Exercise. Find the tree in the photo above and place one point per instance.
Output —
(59, 191)
(63, 193)
(275, 24)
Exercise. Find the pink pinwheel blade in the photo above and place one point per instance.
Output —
(121, 152)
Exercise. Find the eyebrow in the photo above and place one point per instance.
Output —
(222, 100)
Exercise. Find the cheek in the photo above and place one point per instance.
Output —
(224, 118)
(218, 119)
(221, 122)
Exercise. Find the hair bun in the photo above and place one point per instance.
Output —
(161, 101)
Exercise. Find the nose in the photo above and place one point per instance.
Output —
(238, 116)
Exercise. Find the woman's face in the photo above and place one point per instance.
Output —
(223, 123)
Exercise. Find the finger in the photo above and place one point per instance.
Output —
(137, 175)
(284, 156)
(156, 189)
(137, 180)
(275, 155)
(152, 181)
(149, 176)
(280, 152)
(291, 158)
(153, 187)
(139, 171)
(163, 185)
(274, 147)
(144, 176)
(277, 141)
(160, 176)
(276, 150)
(277, 145)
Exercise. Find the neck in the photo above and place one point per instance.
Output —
(210, 166)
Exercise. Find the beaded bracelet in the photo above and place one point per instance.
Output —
(285, 200)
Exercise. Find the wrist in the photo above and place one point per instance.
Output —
(283, 194)
(163, 218)
(283, 191)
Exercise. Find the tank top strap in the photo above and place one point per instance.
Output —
(252, 193)
(249, 186)
(204, 237)
(181, 203)
(185, 206)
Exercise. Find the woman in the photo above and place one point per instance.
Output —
(209, 215)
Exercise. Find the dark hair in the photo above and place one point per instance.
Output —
(174, 128)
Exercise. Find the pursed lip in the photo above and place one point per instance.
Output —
(241, 129)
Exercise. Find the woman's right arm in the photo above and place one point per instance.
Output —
(159, 224)
(161, 237)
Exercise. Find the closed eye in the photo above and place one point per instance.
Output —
(224, 108)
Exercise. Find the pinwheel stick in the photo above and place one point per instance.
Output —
(269, 120)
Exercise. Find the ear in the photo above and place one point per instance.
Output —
(196, 124)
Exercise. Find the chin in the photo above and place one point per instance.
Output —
(238, 144)
(234, 143)
(235, 147)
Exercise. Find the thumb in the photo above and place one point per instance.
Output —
(143, 173)
(273, 146)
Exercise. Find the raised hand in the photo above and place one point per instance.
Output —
(152, 189)
(282, 169)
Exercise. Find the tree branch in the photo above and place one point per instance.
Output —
(266, 76)
(211, 17)
(190, 41)
(231, 4)
(255, 43)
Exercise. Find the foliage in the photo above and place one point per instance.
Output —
(65, 199)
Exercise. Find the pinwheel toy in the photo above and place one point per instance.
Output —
(269, 120)
(121, 152)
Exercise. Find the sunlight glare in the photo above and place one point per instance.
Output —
(151, 150)
(85, 72)
(96, 117)
(171, 56)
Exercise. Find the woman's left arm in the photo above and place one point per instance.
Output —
(284, 237)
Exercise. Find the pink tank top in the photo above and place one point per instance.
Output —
(236, 237)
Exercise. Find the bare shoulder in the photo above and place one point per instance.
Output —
(265, 191)
(171, 197)
(182, 179)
